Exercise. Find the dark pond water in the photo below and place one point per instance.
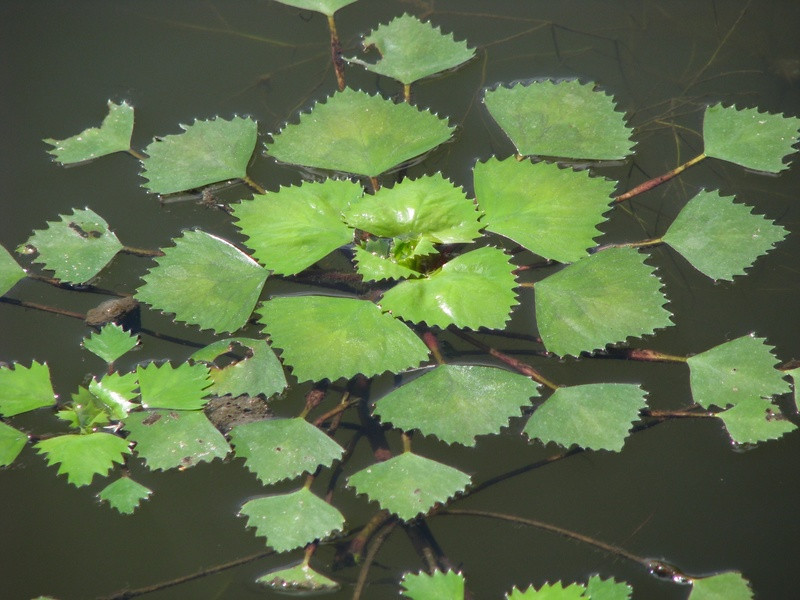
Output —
(677, 491)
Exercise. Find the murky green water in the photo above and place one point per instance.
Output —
(677, 491)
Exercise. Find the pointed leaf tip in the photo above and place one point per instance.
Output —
(114, 135)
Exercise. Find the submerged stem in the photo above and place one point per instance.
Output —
(655, 181)
(253, 185)
(336, 54)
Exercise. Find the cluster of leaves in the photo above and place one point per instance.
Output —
(434, 259)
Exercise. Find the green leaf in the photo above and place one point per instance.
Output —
(25, 388)
(374, 267)
(12, 442)
(736, 371)
(206, 152)
(596, 416)
(550, 591)
(10, 271)
(474, 290)
(408, 484)
(278, 449)
(755, 420)
(258, 373)
(85, 411)
(75, 248)
(299, 578)
(457, 402)
(326, 7)
(292, 520)
(205, 281)
(182, 388)
(84, 456)
(438, 586)
(724, 586)
(719, 237)
(111, 342)
(114, 135)
(750, 138)
(124, 494)
(175, 438)
(607, 589)
(412, 50)
(115, 392)
(549, 210)
(566, 118)
(301, 325)
(291, 229)
(604, 298)
(357, 133)
(795, 375)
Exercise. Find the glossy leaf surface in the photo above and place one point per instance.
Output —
(326, 7)
(258, 373)
(206, 152)
(437, 586)
(114, 135)
(12, 441)
(110, 342)
(10, 271)
(299, 579)
(184, 387)
(124, 494)
(723, 586)
(115, 392)
(82, 457)
(354, 132)
(205, 281)
(376, 267)
(604, 298)
(567, 118)
(25, 388)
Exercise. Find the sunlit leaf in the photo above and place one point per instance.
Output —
(114, 135)
(292, 520)
(550, 591)
(12, 441)
(750, 138)
(736, 371)
(258, 373)
(300, 578)
(206, 281)
(115, 392)
(565, 118)
(75, 248)
(411, 50)
(25, 388)
(110, 342)
(301, 326)
(184, 387)
(475, 289)
(724, 586)
(10, 271)
(86, 411)
(607, 589)
(437, 586)
(278, 449)
(551, 211)
(719, 237)
(357, 133)
(291, 229)
(84, 456)
(457, 402)
(755, 420)
(409, 484)
(206, 152)
(604, 298)
(166, 439)
(374, 267)
(124, 494)
(326, 7)
(596, 416)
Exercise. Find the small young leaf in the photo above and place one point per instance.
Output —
(408, 484)
(357, 133)
(604, 298)
(206, 152)
(755, 140)
(12, 441)
(457, 402)
(474, 290)
(567, 118)
(115, 392)
(279, 449)
(595, 416)
(124, 494)
(291, 229)
(438, 586)
(412, 50)
(77, 247)
(550, 591)
(553, 212)
(292, 520)
(114, 135)
(205, 281)
(300, 578)
(326, 7)
(259, 373)
(111, 342)
(10, 271)
(736, 371)
(301, 326)
(25, 388)
(181, 388)
(721, 238)
(373, 267)
(755, 420)
(84, 456)
(175, 438)
(607, 589)
(724, 586)
(86, 411)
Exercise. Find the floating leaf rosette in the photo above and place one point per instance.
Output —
(114, 135)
